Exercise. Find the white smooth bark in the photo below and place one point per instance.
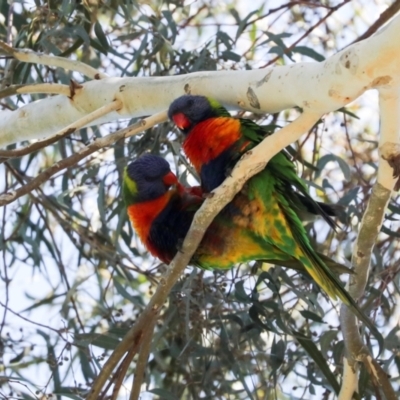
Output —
(389, 148)
(318, 87)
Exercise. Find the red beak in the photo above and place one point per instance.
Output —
(181, 121)
(170, 179)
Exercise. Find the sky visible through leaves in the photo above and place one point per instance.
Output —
(41, 322)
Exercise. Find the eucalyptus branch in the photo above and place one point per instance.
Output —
(121, 372)
(106, 141)
(251, 163)
(378, 379)
(81, 122)
(388, 174)
(370, 64)
(8, 73)
(49, 88)
(350, 378)
(29, 56)
(142, 362)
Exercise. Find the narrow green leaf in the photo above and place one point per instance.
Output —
(18, 357)
(86, 367)
(104, 341)
(277, 39)
(224, 38)
(326, 341)
(125, 294)
(230, 55)
(240, 293)
(171, 24)
(98, 46)
(98, 30)
(243, 23)
(313, 351)
(272, 283)
(338, 350)
(47, 300)
(163, 393)
(309, 52)
(277, 356)
(310, 315)
(101, 202)
(344, 110)
(332, 157)
(390, 232)
(349, 196)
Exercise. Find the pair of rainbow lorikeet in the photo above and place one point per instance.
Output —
(263, 221)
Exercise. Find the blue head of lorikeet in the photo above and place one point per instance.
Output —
(154, 199)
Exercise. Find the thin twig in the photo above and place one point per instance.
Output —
(87, 236)
(48, 88)
(142, 363)
(29, 56)
(119, 376)
(288, 5)
(61, 265)
(18, 314)
(106, 141)
(383, 18)
(5, 278)
(307, 32)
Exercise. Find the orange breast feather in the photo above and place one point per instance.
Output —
(142, 216)
(208, 139)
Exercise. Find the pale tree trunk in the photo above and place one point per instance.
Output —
(317, 88)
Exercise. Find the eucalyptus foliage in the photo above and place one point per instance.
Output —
(73, 274)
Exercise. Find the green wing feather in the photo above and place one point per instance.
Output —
(283, 168)
(287, 232)
(283, 228)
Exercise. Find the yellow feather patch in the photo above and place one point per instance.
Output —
(131, 184)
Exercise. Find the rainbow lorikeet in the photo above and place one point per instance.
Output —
(215, 141)
(272, 201)
(161, 211)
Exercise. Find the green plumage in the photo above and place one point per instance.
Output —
(272, 201)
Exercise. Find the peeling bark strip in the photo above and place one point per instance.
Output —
(394, 162)
(390, 152)
(73, 87)
(252, 97)
(263, 80)
(372, 63)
